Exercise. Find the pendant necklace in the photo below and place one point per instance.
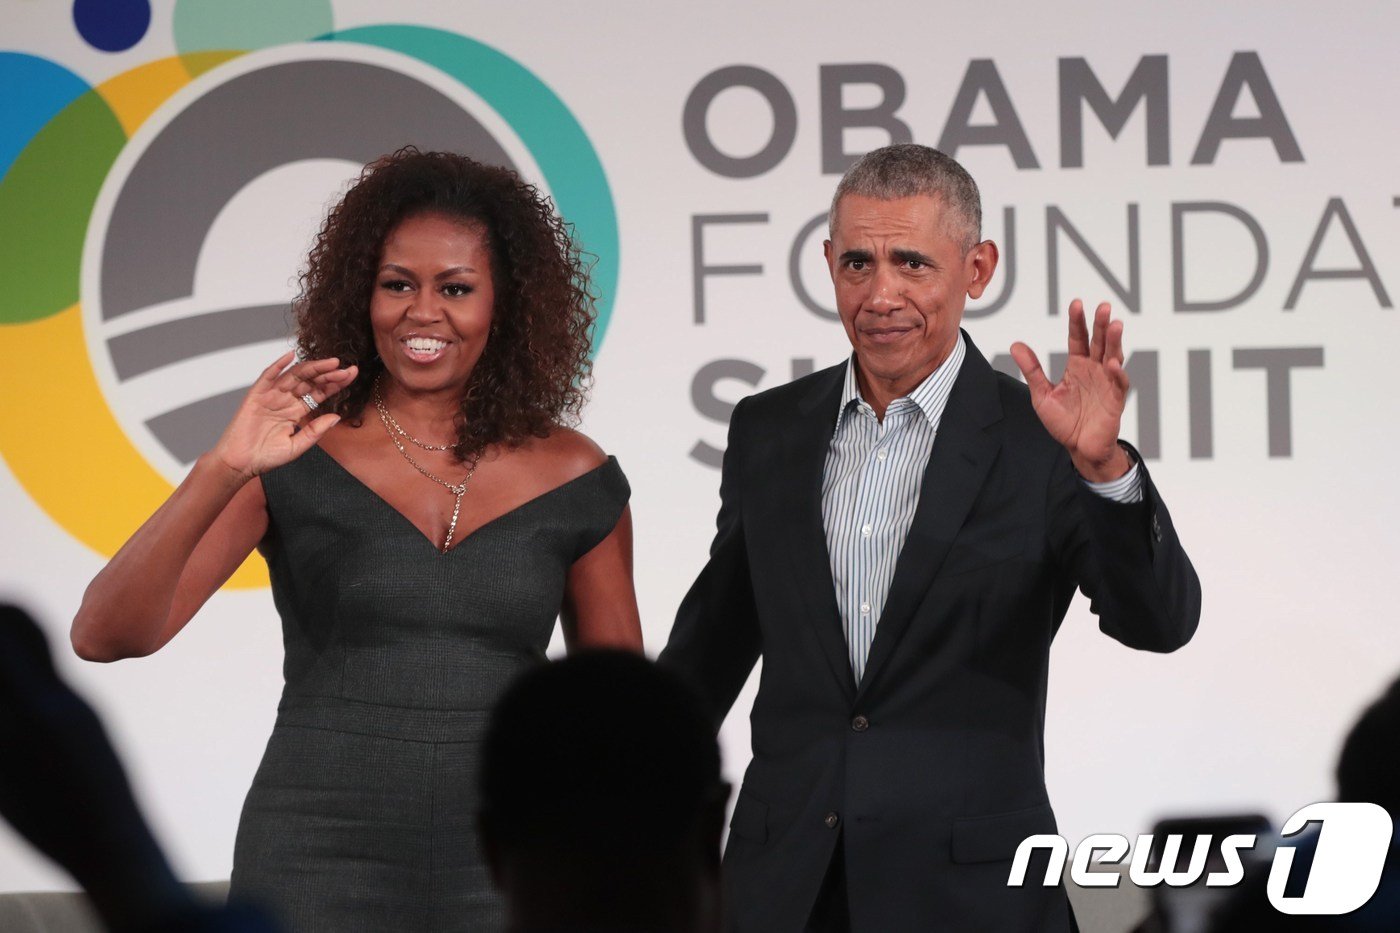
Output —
(396, 431)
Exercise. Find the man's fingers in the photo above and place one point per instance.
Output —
(1113, 342)
(1029, 364)
(1119, 375)
(1101, 317)
(1078, 329)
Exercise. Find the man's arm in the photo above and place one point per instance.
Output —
(715, 640)
(1120, 547)
(1127, 559)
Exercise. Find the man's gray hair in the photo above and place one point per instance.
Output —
(907, 170)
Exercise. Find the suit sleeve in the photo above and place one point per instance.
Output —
(1127, 559)
(715, 641)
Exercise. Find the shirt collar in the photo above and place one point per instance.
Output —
(931, 395)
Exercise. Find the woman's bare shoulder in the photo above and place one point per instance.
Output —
(562, 455)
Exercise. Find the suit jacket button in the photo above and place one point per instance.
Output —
(831, 820)
(860, 724)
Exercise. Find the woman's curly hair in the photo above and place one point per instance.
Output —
(535, 368)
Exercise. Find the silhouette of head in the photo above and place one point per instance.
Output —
(601, 798)
(1368, 771)
(1369, 767)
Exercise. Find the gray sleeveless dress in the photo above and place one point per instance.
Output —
(362, 813)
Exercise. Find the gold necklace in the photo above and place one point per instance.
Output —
(456, 489)
(397, 428)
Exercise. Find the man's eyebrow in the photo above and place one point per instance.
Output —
(856, 255)
(911, 255)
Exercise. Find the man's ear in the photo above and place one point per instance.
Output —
(980, 264)
(830, 258)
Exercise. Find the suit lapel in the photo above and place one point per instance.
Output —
(963, 452)
(805, 442)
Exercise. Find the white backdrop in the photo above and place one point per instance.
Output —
(1295, 549)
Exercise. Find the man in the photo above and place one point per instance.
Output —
(601, 800)
(899, 537)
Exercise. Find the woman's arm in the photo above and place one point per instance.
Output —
(184, 552)
(171, 565)
(600, 604)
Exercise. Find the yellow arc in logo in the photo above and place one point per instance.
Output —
(65, 447)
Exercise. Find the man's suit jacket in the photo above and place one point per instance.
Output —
(933, 765)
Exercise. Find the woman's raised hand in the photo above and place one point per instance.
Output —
(274, 425)
(213, 520)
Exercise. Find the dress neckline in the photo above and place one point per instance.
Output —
(418, 532)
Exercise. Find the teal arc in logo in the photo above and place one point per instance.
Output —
(547, 128)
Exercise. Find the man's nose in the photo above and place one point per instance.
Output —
(886, 290)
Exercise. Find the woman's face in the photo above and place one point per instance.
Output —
(432, 302)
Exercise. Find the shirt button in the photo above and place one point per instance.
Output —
(866, 529)
(881, 454)
(865, 609)
(831, 820)
(860, 724)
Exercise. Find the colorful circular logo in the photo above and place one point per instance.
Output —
(146, 284)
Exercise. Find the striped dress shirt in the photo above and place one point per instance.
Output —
(870, 489)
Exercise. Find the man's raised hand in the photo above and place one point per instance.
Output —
(1083, 411)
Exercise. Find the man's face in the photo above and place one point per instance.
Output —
(902, 278)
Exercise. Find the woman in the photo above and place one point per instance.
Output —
(424, 516)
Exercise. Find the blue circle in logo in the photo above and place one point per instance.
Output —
(112, 25)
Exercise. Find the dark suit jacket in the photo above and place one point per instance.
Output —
(933, 765)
